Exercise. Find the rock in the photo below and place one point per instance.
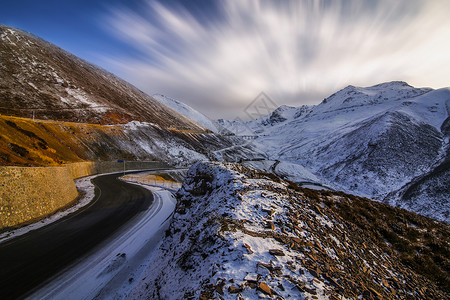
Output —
(297, 240)
(270, 212)
(251, 278)
(371, 294)
(249, 249)
(267, 266)
(270, 225)
(298, 228)
(276, 252)
(265, 288)
(219, 287)
(234, 290)
(272, 269)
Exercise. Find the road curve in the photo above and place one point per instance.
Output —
(29, 260)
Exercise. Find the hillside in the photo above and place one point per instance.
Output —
(241, 233)
(39, 78)
(388, 142)
(26, 142)
(187, 111)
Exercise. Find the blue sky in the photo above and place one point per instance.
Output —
(217, 56)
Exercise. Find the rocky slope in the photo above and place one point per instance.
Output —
(388, 142)
(238, 233)
(39, 78)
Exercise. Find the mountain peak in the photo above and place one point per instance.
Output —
(352, 96)
(391, 84)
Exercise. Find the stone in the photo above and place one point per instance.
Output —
(263, 287)
(234, 290)
(297, 240)
(251, 277)
(219, 287)
(249, 249)
(276, 252)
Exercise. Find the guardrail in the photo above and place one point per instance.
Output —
(152, 180)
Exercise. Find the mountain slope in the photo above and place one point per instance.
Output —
(42, 85)
(26, 142)
(39, 78)
(370, 142)
(187, 111)
(239, 233)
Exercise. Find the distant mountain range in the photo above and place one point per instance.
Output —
(388, 142)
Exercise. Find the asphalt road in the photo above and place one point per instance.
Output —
(29, 260)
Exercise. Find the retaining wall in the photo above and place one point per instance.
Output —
(28, 194)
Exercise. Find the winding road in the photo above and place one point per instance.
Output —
(28, 261)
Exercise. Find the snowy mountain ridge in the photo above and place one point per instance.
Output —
(370, 141)
(187, 111)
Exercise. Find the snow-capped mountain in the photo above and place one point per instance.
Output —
(388, 142)
(187, 111)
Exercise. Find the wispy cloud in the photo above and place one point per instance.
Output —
(298, 52)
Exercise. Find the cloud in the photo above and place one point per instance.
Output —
(298, 52)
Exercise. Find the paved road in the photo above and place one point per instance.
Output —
(27, 261)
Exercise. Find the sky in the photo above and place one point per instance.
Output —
(218, 56)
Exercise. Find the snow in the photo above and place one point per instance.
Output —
(288, 170)
(368, 141)
(32, 85)
(87, 190)
(187, 111)
(114, 269)
(225, 258)
(236, 228)
(82, 97)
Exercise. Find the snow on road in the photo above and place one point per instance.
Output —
(112, 271)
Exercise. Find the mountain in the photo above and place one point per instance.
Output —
(40, 79)
(389, 142)
(54, 108)
(238, 233)
(187, 111)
